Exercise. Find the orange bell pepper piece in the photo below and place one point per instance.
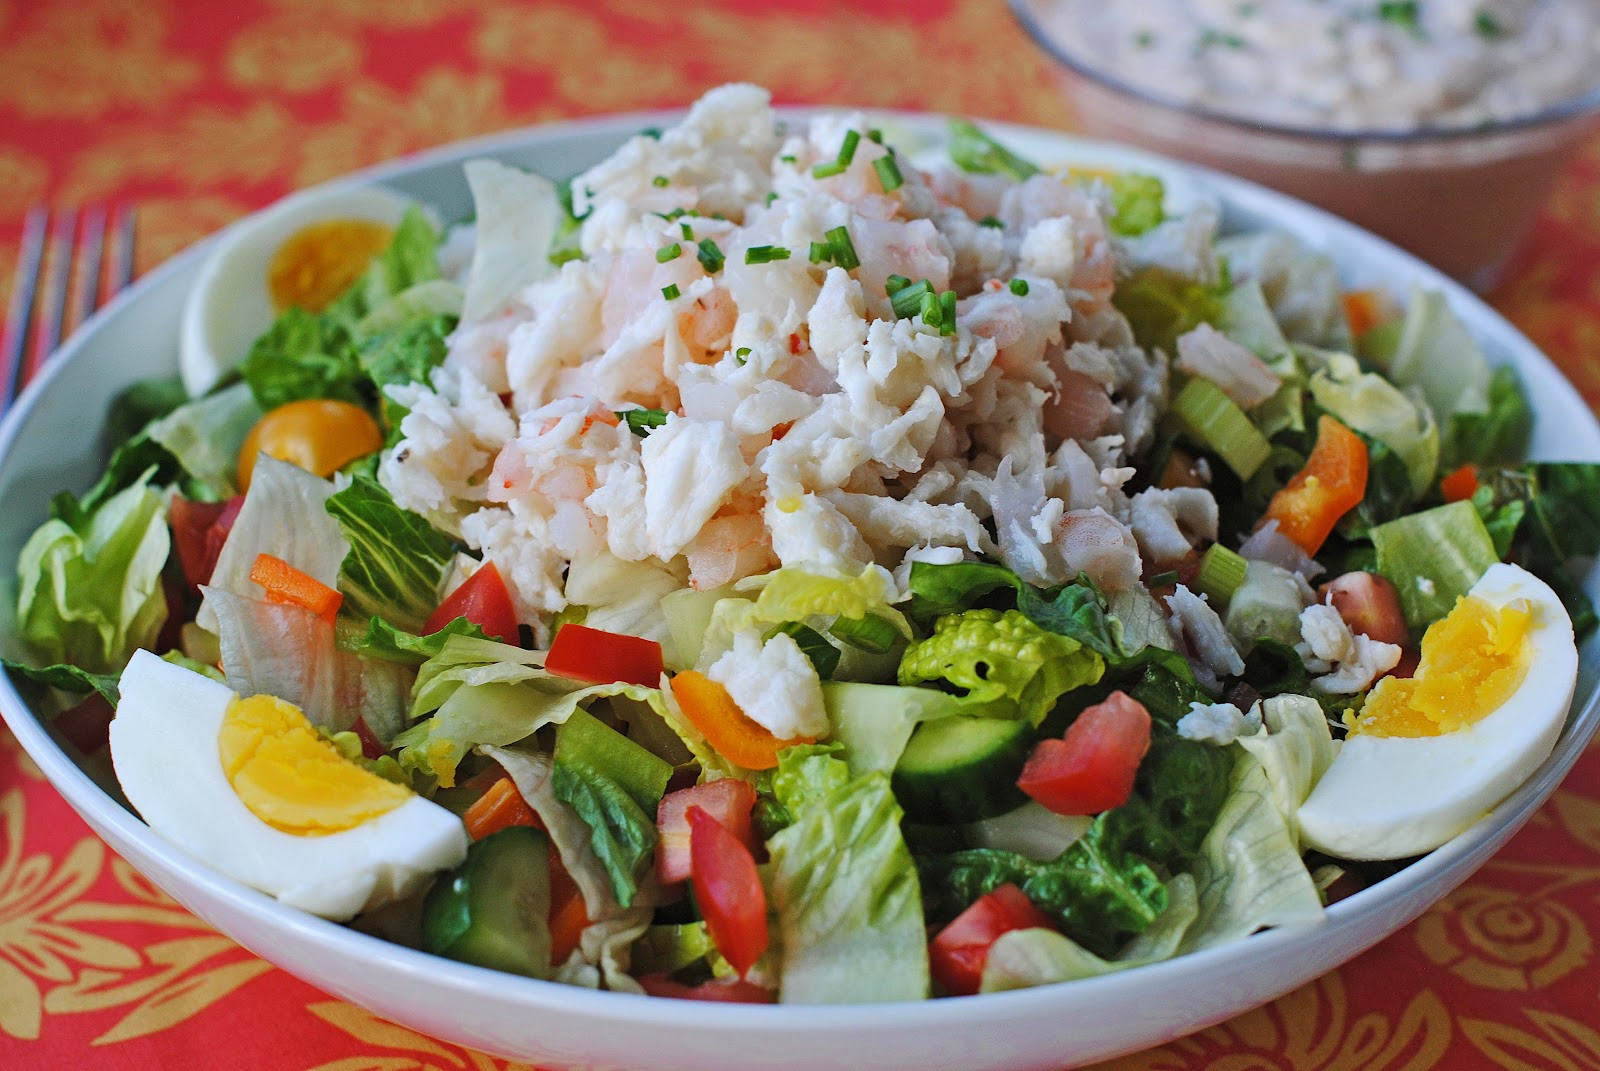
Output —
(498, 808)
(286, 584)
(736, 737)
(1460, 485)
(1332, 483)
(1364, 309)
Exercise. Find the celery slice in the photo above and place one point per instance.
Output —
(1221, 573)
(1213, 421)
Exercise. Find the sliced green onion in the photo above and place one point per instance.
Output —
(674, 214)
(661, 180)
(991, 221)
(907, 300)
(688, 231)
(1213, 421)
(872, 633)
(814, 645)
(765, 254)
(947, 313)
(711, 258)
(668, 252)
(1221, 573)
(888, 173)
(742, 354)
(820, 251)
(1019, 287)
(670, 291)
(643, 421)
(829, 170)
(895, 283)
(932, 310)
(847, 151)
(844, 250)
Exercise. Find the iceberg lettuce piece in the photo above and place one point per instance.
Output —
(792, 594)
(626, 597)
(518, 215)
(844, 889)
(1294, 749)
(89, 584)
(1300, 284)
(204, 436)
(1439, 355)
(1370, 404)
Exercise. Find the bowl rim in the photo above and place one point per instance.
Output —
(1585, 105)
(101, 809)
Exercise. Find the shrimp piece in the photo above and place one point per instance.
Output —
(707, 324)
(975, 194)
(1078, 409)
(1050, 202)
(913, 249)
(727, 549)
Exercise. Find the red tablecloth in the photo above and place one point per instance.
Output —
(200, 111)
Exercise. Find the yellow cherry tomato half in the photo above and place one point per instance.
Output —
(320, 435)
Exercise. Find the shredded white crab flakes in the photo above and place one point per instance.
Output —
(1197, 630)
(1346, 662)
(797, 419)
(1236, 371)
(1219, 723)
(1169, 523)
(774, 684)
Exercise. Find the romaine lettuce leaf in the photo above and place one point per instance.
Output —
(1439, 356)
(1497, 435)
(794, 594)
(139, 404)
(397, 560)
(1161, 305)
(412, 257)
(1137, 201)
(1294, 748)
(844, 889)
(89, 586)
(1077, 610)
(384, 641)
(303, 355)
(625, 597)
(622, 836)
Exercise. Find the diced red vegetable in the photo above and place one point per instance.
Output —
(371, 746)
(1091, 768)
(958, 954)
(482, 599)
(1459, 485)
(1332, 483)
(198, 531)
(1369, 604)
(728, 890)
(86, 726)
(726, 990)
(729, 801)
(592, 654)
(286, 584)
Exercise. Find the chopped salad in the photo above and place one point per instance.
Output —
(776, 566)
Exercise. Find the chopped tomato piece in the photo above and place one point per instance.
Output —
(1333, 482)
(728, 890)
(1369, 604)
(286, 584)
(727, 990)
(729, 801)
(958, 954)
(593, 654)
(1459, 485)
(198, 531)
(482, 599)
(736, 737)
(500, 807)
(1091, 768)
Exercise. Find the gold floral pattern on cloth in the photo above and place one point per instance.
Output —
(199, 111)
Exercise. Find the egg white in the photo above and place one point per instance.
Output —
(230, 305)
(166, 755)
(1393, 797)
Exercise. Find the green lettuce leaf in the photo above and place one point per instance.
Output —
(204, 438)
(410, 258)
(844, 891)
(397, 560)
(1370, 404)
(89, 587)
(384, 641)
(1161, 305)
(812, 599)
(1433, 558)
(1137, 201)
(1294, 749)
(303, 355)
(622, 836)
(68, 678)
(1439, 356)
(139, 404)
(1003, 664)
(1497, 435)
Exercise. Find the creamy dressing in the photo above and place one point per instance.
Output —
(1342, 64)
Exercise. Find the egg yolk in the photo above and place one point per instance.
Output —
(292, 778)
(321, 260)
(1473, 659)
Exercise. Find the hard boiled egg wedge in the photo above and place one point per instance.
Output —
(1428, 757)
(304, 251)
(248, 786)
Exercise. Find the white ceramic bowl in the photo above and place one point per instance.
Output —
(45, 445)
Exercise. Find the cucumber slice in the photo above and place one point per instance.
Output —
(962, 769)
(494, 910)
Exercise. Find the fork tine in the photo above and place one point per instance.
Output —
(91, 251)
(122, 263)
(20, 312)
(53, 300)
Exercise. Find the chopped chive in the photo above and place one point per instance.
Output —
(947, 313)
(1161, 580)
(668, 252)
(844, 250)
(896, 283)
(711, 257)
(771, 197)
(788, 158)
(643, 421)
(875, 135)
(1019, 287)
(847, 151)
(1402, 13)
(871, 633)
(829, 170)
(1144, 39)
(990, 221)
(688, 231)
(1488, 26)
(765, 254)
(661, 180)
(907, 300)
(676, 213)
(670, 291)
(932, 310)
(741, 354)
(651, 132)
(820, 251)
(888, 173)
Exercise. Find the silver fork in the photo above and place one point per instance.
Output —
(82, 256)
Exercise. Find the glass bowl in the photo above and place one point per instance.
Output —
(1459, 198)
